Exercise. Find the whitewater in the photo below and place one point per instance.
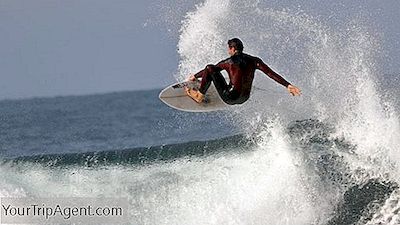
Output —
(327, 157)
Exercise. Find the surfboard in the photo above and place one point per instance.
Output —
(175, 97)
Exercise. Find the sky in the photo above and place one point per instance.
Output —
(75, 47)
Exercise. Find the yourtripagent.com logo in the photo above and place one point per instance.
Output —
(63, 210)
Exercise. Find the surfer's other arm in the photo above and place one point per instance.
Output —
(293, 90)
(209, 68)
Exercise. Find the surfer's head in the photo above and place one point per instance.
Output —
(235, 45)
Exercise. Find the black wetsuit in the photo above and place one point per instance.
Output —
(241, 68)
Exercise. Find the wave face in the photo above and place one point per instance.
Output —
(328, 157)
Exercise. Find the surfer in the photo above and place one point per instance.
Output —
(241, 68)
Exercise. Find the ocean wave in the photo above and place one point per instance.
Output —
(240, 165)
(141, 155)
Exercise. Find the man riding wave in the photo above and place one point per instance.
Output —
(241, 68)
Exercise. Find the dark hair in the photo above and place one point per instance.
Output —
(236, 43)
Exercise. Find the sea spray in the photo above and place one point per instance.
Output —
(335, 69)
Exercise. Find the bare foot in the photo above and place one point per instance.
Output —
(194, 94)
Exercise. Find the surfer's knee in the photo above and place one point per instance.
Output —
(210, 68)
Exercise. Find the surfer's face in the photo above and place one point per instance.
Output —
(231, 51)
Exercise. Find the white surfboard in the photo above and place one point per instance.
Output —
(175, 96)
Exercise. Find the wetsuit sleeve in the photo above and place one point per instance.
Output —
(268, 71)
(223, 65)
(200, 73)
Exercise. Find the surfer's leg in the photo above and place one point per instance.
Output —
(215, 76)
(206, 79)
(225, 91)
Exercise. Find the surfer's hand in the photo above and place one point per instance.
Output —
(192, 78)
(293, 90)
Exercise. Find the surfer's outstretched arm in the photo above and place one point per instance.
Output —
(272, 74)
(293, 90)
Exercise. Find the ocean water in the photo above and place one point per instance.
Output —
(115, 121)
(329, 157)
